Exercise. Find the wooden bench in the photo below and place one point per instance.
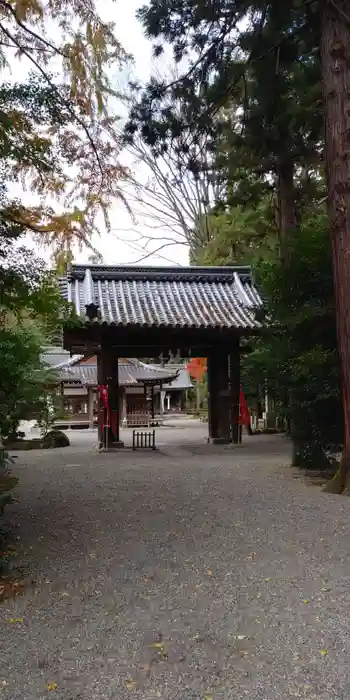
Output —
(144, 438)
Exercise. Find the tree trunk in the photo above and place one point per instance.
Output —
(287, 219)
(287, 223)
(335, 58)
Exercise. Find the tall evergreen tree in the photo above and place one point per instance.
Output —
(254, 89)
(336, 86)
(265, 60)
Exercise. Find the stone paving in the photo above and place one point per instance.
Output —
(192, 573)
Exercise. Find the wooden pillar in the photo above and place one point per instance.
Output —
(212, 427)
(123, 406)
(219, 414)
(100, 406)
(152, 402)
(235, 386)
(161, 399)
(113, 397)
(198, 396)
(108, 374)
(62, 398)
(146, 402)
(90, 402)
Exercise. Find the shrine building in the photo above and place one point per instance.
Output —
(152, 312)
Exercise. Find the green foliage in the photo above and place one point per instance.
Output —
(31, 307)
(255, 88)
(31, 312)
(239, 235)
(252, 94)
(22, 377)
(28, 290)
(297, 353)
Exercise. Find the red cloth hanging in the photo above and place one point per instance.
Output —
(244, 417)
(104, 397)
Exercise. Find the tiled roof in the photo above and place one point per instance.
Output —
(182, 297)
(183, 381)
(130, 373)
(56, 356)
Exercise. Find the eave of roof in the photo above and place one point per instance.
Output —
(177, 297)
(131, 372)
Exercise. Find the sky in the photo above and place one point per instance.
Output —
(125, 245)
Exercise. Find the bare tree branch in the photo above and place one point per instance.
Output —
(147, 253)
(169, 196)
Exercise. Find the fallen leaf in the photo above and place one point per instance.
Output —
(13, 620)
(157, 645)
(52, 686)
(209, 572)
(267, 579)
(130, 685)
(324, 652)
(306, 601)
(160, 647)
(208, 697)
(3, 683)
(251, 556)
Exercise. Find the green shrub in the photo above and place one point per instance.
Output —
(297, 351)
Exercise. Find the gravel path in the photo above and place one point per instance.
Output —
(188, 574)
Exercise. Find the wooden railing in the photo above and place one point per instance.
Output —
(144, 438)
(140, 418)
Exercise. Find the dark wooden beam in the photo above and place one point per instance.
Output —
(89, 339)
(219, 413)
(108, 373)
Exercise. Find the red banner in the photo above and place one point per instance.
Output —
(104, 398)
(244, 417)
